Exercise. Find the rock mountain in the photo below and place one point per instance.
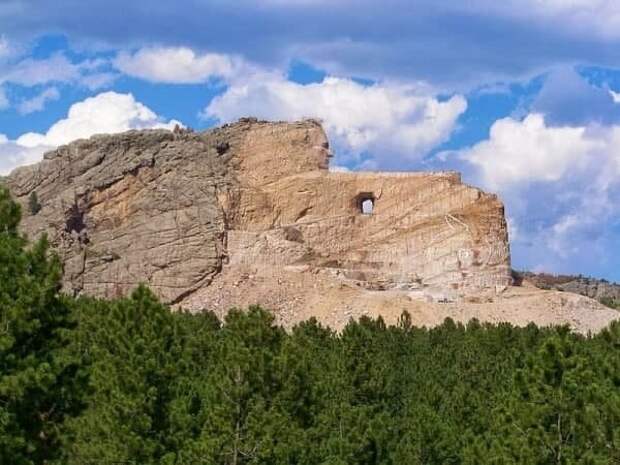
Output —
(250, 213)
(598, 289)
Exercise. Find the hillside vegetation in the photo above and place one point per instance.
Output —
(87, 381)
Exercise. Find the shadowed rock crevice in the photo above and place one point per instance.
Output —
(75, 220)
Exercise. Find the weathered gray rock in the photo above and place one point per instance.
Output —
(131, 208)
(592, 288)
(598, 289)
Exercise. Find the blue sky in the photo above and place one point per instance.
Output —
(521, 96)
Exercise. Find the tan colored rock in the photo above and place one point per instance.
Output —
(426, 230)
(250, 213)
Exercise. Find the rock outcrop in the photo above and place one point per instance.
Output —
(598, 289)
(137, 207)
(197, 216)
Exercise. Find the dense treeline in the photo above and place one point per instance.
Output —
(128, 381)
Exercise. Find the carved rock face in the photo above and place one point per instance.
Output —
(174, 210)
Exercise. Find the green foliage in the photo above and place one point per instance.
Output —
(10, 213)
(131, 347)
(38, 378)
(34, 206)
(173, 388)
(128, 381)
(560, 411)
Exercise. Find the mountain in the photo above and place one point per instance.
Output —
(250, 213)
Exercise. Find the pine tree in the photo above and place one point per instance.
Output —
(241, 424)
(133, 349)
(557, 413)
(37, 377)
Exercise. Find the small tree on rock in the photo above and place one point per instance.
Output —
(34, 206)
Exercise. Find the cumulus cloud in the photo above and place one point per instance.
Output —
(385, 119)
(13, 154)
(529, 151)
(561, 185)
(179, 65)
(108, 112)
(37, 103)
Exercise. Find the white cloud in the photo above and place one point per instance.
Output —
(30, 72)
(528, 151)
(107, 112)
(13, 155)
(179, 65)
(386, 119)
(37, 103)
(57, 68)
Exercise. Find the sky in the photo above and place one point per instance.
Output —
(521, 96)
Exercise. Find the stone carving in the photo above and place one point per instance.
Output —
(193, 214)
(171, 208)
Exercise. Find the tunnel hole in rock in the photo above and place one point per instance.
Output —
(365, 203)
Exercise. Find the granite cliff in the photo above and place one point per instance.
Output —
(250, 213)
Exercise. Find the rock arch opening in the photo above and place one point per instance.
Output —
(366, 203)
